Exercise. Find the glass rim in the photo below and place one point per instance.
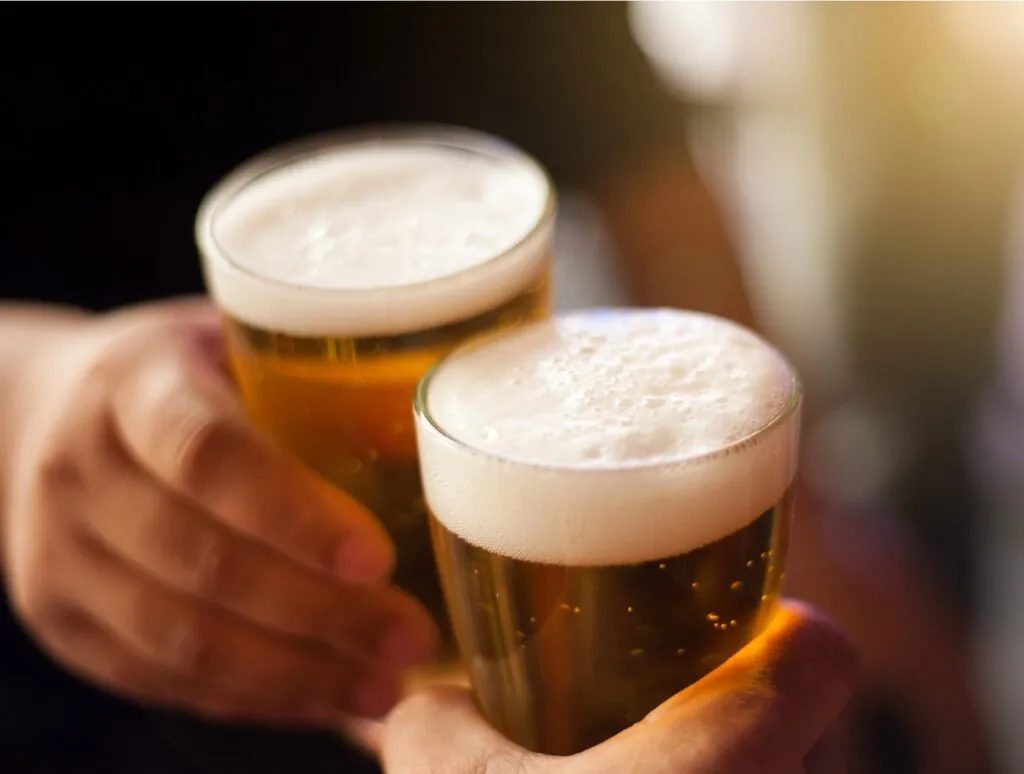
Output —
(283, 155)
(421, 409)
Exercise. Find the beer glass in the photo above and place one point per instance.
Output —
(345, 266)
(610, 496)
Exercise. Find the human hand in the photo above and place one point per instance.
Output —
(768, 710)
(157, 544)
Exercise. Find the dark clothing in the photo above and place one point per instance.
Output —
(116, 119)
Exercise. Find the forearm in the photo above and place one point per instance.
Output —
(24, 329)
(671, 236)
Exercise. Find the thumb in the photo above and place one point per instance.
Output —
(442, 732)
(763, 710)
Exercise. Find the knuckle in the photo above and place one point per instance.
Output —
(490, 762)
(504, 762)
(176, 426)
(266, 521)
(272, 512)
(34, 598)
(208, 566)
(180, 643)
(33, 604)
(58, 472)
(202, 442)
(191, 653)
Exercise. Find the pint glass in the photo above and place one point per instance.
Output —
(610, 496)
(344, 267)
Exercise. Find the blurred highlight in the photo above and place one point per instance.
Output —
(870, 157)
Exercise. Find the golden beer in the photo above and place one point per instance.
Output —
(611, 518)
(345, 267)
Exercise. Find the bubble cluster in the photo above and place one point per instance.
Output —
(608, 436)
(359, 239)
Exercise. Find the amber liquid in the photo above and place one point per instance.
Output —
(562, 658)
(344, 407)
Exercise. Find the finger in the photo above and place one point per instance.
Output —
(180, 420)
(827, 756)
(171, 540)
(771, 702)
(89, 652)
(430, 731)
(79, 644)
(215, 649)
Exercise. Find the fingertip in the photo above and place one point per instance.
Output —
(365, 555)
(364, 560)
(808, 634)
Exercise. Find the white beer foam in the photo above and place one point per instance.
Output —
(376, 238)
(608, 437)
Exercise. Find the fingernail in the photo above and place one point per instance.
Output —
(362, 563)
(375, 697)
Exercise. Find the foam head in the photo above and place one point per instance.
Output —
(376, 237)
(608, 437)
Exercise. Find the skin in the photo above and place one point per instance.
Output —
(673, 241)
(770, 710)
(158, 545)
